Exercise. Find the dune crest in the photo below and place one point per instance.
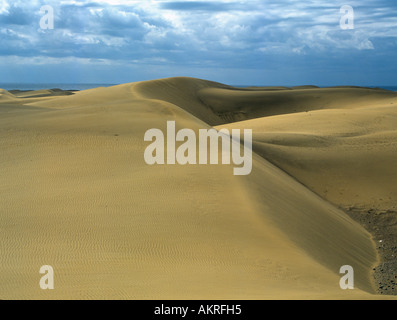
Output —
(5, 95)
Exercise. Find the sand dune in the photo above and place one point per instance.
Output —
(41, 93)
(5, 95)
(232, 105)
(346, 156)
(77, 194)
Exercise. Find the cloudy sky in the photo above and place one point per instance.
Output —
(240, 42)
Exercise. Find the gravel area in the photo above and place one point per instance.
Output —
(383, 227)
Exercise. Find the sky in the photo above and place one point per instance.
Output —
(245, 42)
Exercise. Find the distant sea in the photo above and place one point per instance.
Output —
(85, 86)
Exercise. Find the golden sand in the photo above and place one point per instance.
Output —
(77, 194)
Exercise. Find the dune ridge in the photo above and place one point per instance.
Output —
(78, 195)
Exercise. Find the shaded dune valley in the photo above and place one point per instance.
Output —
(77, 194)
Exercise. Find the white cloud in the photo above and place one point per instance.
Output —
(4, 7)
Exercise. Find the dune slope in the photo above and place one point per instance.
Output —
(346, 156)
